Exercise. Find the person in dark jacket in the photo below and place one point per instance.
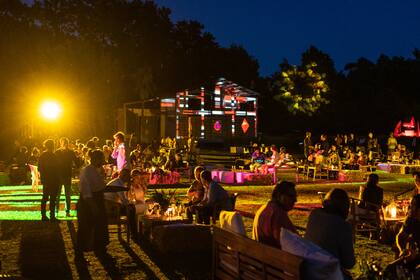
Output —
(328, 228)
(216, 199)
(66, 159)
(49, 171)
(372, 196)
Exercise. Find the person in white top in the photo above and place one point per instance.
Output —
(120, 152)
(91, 214)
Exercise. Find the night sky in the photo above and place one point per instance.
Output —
(277, 29)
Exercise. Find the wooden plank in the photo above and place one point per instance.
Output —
(269, 255)
(219, 274)
(274, 273)
(253, 256)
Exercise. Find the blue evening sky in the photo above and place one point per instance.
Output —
(277, 29)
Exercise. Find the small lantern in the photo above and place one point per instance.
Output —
(391, 210)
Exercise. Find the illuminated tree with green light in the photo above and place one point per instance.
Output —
(302, 89)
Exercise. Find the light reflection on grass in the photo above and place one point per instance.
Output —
(31, 215)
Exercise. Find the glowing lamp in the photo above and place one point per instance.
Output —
(391, 211)
(50, 110)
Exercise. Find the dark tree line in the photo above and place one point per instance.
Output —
(105, 53)
(365, 96)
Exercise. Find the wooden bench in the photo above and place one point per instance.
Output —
(238, 257)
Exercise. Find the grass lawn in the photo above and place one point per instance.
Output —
(20, 203)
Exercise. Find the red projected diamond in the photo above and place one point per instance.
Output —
(245, 126)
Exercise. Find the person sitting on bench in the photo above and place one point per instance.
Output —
(257, 160)
(272, 216)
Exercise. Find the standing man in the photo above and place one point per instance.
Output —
(120, 152)
(391, 143)
(92, 232)
(49, 171)
(307, 143)
(325, 145)
(66, 158)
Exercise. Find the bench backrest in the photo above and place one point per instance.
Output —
(238, 257)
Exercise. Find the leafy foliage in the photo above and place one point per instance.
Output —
(164, 199)
(302, 89)
(106, 53)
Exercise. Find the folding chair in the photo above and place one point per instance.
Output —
(116, 217)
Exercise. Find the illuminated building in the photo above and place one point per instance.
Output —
(226, 113)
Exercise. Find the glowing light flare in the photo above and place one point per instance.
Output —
(50, 110)
(394, 212)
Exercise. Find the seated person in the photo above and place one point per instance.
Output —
(257, 160)
(334, 157)
(328, 228)
(135, 156)
(216, 199)
(408, 242)
(275, 156)
(156, 175)
(351, 161)
(138, 190)
(272, 216)
(361, 158)
(372, 195)
(172, 167)
(311, 157)
(274, 159)
(195, 193)
(283, 156)
(121, 181)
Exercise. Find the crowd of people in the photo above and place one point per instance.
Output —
(165, 159)
(132, 169)
(125, 188)
(349, 152)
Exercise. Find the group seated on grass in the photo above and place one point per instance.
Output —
(326, 247)
(264, 160)
(348, 152)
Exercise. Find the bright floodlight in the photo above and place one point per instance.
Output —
(50, 110)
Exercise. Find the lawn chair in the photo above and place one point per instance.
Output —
(116, 217)
(364, 220)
